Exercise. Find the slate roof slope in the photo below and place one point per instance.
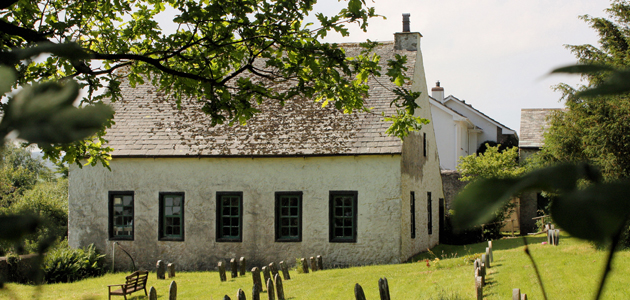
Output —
(534, 122)
(148, 125)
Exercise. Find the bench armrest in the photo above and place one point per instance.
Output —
(115, 285)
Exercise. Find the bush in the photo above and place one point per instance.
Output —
(63, 264)
(49, 202)
(463, 237)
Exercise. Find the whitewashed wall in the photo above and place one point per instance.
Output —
(375, 177)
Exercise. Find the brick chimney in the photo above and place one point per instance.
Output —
(407, 40)
(438, 92)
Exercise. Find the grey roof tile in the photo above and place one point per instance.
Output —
(534, 122)
(149, 124)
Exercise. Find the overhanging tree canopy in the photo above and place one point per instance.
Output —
(215, 44)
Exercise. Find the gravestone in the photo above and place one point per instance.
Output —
(152, 294)
(304, 265)
(222, 272)
(313, 264)
(285, 271)
(478, 288)
(234, 267)
(320, 262)
(240, 295)
(358, 292)
(556, 237)
(256, 278)
(383, 289)
(171, 270)
(516, 294)
(160, 270)
(279, 288)
(243, 266)
(273, 270)
(172, 291)
(523, 296)
(490, 246)
(487, 258)
(478, 274)
(256, 292)
(266, 275)
(226, 297)
(271, 295)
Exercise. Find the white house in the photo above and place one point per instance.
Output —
(297, 181)
(460, 128)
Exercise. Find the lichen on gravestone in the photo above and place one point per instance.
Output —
(159, 266)
(279, 288)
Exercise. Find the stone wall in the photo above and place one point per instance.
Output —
(452, 185)
(376, 179)
(27, 268)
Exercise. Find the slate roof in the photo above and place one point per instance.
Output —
(148, 124)
(534, 122)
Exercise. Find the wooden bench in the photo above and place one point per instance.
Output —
(135, 282)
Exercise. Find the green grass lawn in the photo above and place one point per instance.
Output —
(569, 271)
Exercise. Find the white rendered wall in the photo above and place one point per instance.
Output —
(375, 177)
(489, 129)
(445, 137)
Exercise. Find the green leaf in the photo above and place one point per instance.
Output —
(595, 213)
(479, 200)
(583, 69)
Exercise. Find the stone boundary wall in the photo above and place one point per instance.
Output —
(26, 266)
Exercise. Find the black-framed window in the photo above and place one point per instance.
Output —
(229, 216)
(343, 216)
(412, 200)
(171, 219)
(121, 211)
(424, 144)
(288, 216)
(429, 213)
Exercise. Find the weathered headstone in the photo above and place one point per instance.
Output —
(279, 288)
(320, 262)
(226, 297)
(285, 271)
(358, 292)
(243, 265)
(256, 278)
(171, 270)
(256, 292)
(273, 270)
(266, 275)
(152, 294)
(313, 264)
(172, 291)
(548, 228)
(304, 265)
(488, 257)
(240, 295)
(478, 274)
(234, 267)
(160, 269)
(523, 296)
(478, 288)
(222, 272)
(383, 289)
(556, 235)
(271, 295)
(491, 255)
(516, 294)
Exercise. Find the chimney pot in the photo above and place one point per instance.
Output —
(406, 22)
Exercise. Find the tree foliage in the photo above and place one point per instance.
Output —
(493, 163)
(204, 51)
(595, 124)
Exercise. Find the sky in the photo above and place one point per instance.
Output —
(494, 54)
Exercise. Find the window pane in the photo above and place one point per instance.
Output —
(176, 221)
(234, 201)
(168, 221)
(347, 201)
(234, 221)
(177, 201)
(338, 232)
(176, 230)
(294, 201)
(226, 221)
(339, 211)
(169, 230)
(338, 222)
(284, 222)
(168, 201)
(118, 210)
(176, 210)
(284, 201)
(294, 231)
(127, 200)
(128, 211)
(338, 201)
(234, 211)
(294, 211)
(347, 222)
(284, 231)
(284, 211)
(168, 211)
(226, 231)
(117, 201)
(347, 232)
(234, 231)
(347, 211)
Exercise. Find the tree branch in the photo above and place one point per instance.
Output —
(27, 34)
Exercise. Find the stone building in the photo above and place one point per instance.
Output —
(296, 181)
